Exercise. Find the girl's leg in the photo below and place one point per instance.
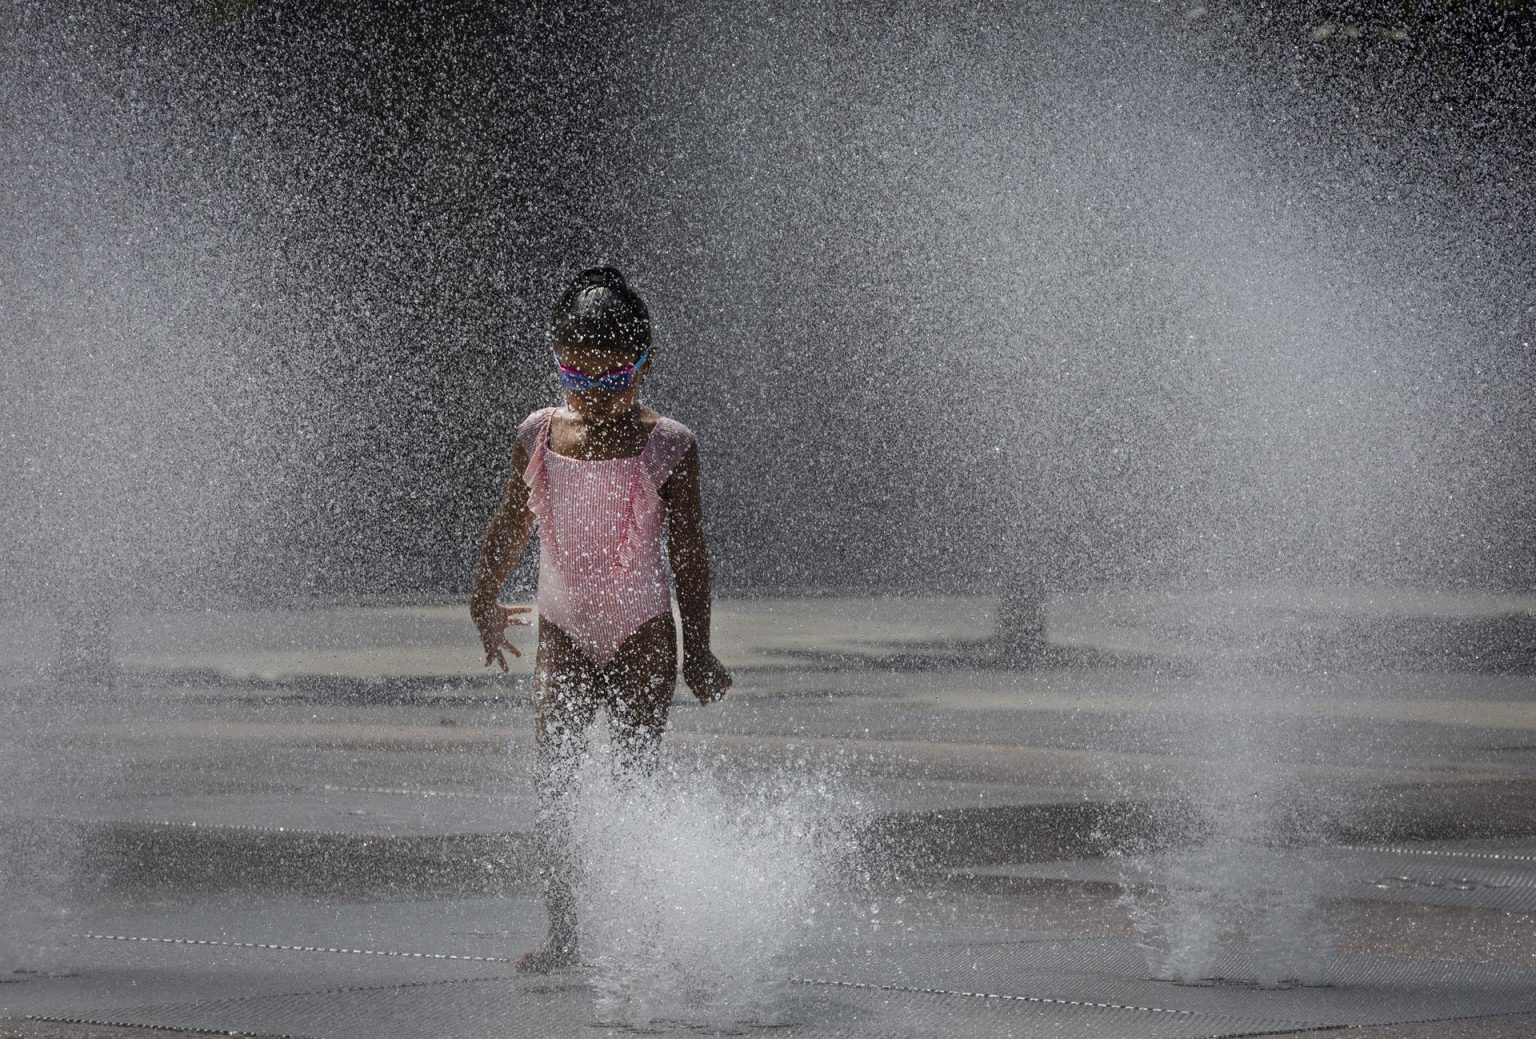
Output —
(642, 677)
(566, 697)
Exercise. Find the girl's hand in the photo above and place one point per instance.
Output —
(493, 631)
(707, 678)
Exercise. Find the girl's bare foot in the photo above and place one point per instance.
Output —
(552, 955)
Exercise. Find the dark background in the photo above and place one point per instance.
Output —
(945, 292)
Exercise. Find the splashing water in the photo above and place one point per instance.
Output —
(695, 890)
(1231, 911)
(1237, 889)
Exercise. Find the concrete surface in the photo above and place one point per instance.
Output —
(285, 780)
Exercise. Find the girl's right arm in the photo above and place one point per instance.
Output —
(505, 539)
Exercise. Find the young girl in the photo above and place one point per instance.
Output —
(599, 478)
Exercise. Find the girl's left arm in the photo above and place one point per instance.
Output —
(706, 677)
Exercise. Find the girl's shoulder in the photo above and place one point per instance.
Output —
(528, 430)
(668, 428)
(667, 444)
(535, 418)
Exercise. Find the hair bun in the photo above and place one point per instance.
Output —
(603, 275)
(617, 318)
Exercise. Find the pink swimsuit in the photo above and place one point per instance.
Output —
(601, 574)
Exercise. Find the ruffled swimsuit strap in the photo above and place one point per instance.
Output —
(642, 497)
(536, 474)
(624, 553)
(666, 445)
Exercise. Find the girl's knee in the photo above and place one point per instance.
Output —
(637, 734)
(563, 710)
(555, 697)
(643, 716)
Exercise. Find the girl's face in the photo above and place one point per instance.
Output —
(597, 405)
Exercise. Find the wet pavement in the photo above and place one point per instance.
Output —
(317, 822)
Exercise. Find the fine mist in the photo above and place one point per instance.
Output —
(1215, 301)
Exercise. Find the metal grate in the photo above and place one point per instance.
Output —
(382, 969)
(1068, 989)
(494, 1008)
(1486, 875)
(1355, 989)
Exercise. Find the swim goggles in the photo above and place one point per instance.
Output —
(616, 381)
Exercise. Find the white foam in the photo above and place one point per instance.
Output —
(693, 895)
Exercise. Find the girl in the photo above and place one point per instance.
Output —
(599, 477)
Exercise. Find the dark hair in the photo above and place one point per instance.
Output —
(600, 310)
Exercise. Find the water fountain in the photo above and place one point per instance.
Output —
(699, 899)
(1162, 345)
